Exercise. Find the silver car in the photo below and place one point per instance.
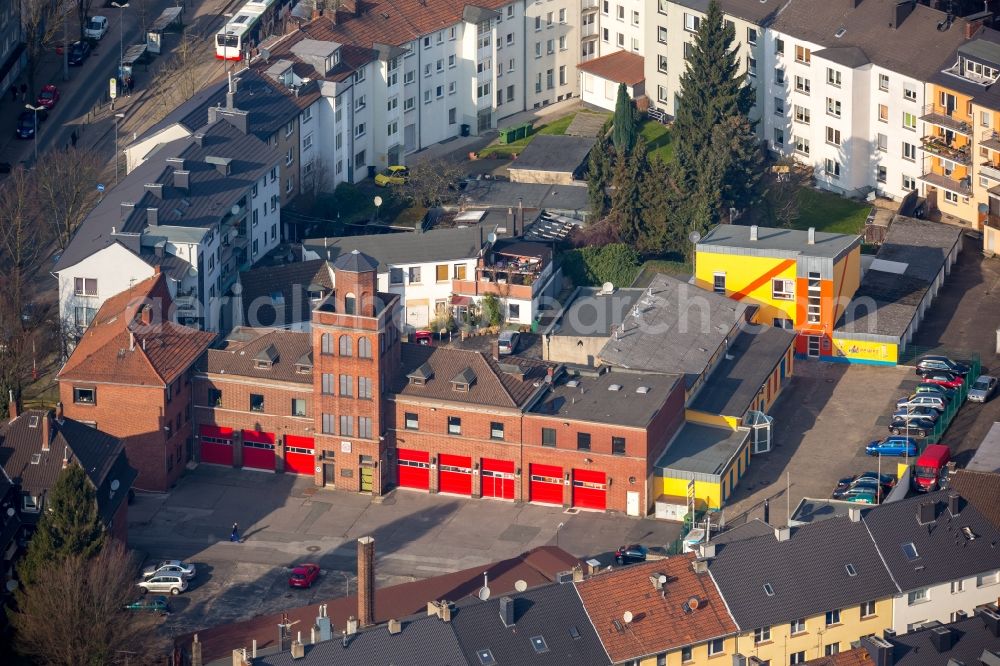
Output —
(169, 567)
(508, 342)
(171, 583)
(983, 388)
(915, 400)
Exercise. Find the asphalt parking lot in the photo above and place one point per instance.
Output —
(286, 521)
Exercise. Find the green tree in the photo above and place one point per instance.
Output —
(492, 310)
(626, 201)
(69, 525)
(598, 174)
(655, 194)
(714, 93)
(625, 129)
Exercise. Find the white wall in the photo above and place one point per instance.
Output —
(551, 51)
(115, 268)
(620, 26)
(138, 152)
(942, 602)
(600, 92)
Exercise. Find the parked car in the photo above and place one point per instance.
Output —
(892, 446)
(887, 480)
(423, 337)
(508, 342)
(169, 567)
(304, 575)
(78, 52)
(929, 468)
(929, 364)
(631, 554)
(945, 379)
(862, 498)
(96, 28)
(983, 388)
(928, 413)
(171, 583)
(158, 604)
(26, 127)
(936, 402)
(394, 175)
(862, 490)
(911, 427)
(934, 389)
(48, 96)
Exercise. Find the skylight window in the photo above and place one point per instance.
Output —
(840, 33)
(968, 533)
(486, 658)
(538, 643)
(910, 551)
(36, 458)
(768, 590)
(851, 571)
(33, 421)
(574, 633)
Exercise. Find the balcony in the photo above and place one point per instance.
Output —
(963, 187)
(941, 118)
(587, 5)
(990, 170)
(519, 270)
(589, 30)
(990, 139)
(937, 145)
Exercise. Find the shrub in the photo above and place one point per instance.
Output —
(616, 263)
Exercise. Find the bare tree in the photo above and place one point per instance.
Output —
(83, 13)
(40, 23)
(427, 182)
(65, 181)
(177, 80)
(76, 612)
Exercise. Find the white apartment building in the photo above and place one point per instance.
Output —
(620, 26)
(209, 210)
(844, 97)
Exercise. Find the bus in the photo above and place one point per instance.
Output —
(254, 20)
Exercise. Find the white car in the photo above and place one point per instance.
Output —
(96, 28)
(169, 568)
(171, 583)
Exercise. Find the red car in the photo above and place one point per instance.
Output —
(423, 337)
(48, 97)
(945, 379)
(304, 576)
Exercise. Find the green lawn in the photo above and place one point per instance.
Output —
(828, 212)
(557, 126)
(658, 140)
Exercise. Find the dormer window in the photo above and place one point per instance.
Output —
(266, 359)
(463, 381)
(29, 504)
(421, 375)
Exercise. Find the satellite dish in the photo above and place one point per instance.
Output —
(484, 593)
(492, 237)
(693, 603)
(235, 210)
(115, 485)
(10, 511)
(627, 616)
(695, 237)
(520, 586)
(662, 579)
(377, 201)
(11, 585)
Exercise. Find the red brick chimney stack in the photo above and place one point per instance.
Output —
(366, 581)
(11, 405)
(45, 431)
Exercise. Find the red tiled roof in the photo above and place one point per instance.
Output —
(620, 67)
(535, 567)
(660, 622)
(852, 657)
(118, 348)
(238, 356)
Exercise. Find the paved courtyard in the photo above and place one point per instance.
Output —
(285, 521)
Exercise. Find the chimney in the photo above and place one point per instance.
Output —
(578, 574)
(972, 27)
(352, 626)
(59, 412)
(366, 580)
(879, 649)
(855, 514)
(960, 615)
(782, 533)
(395, 627)
(900, 12)
(298, 650)
(177, 162)
(182, 180)
(199, 138)
(495, 347)
(812, 236)
(156, 189)
(231, 93)
(127, 208)
(45, 431)
(767, 512)
(706, 551)
(11, 405)
(196, 651)
(153, 216)
(753, 232)
(323, 624)
(146, 315)
(507, 611)
(925, 513)
(992, 621)
(65, 458)
(954, 506)
(942, 639)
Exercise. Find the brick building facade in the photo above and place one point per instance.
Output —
(356, 408)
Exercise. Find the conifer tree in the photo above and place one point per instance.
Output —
(625, 127)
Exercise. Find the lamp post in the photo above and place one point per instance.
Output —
(35, 109)
(121, 41)
(118, 117)
(378, 205)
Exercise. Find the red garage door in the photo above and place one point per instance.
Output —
(216, 445)
(299, 457)
(546, 484)
(258, 450)
(455, 474)
(498, 478)
(414, 469)
(590, 489)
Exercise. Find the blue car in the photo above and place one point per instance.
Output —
(892, 446)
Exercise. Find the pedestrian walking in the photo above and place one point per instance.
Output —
(235, 536)
(72, 138)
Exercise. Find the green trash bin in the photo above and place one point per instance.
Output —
(518, 132)
(506, 135)
(526, 128)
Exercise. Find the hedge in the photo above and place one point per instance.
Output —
(616, 263)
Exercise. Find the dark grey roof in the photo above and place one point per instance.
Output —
(466, 376)
(916, 48)
(943, 551)
(210, 196)
(807, 573)
(413, 247)
(919, 247)
(172, 266)
(593, 314)
(701, 450)
(755, 11)
(503, 194)
(278, 296)
(557, 153)
(974, 644)
(848, 56)
(674, 327)
(355, 261)
(772, 242)
(550, 612)
(591, 396)
(811, 510)
(983, 50)
(748, 530)
(981, 489)
(735, 383)
(422, 640)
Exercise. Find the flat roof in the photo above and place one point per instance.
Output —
(735, 239)
(811, 510)
(585, 394)
(593, 314)
(674, 327)
(891, 291)
(701, 449)
(987, 456)
(735, 382)
(505, 194)
(557, 153)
